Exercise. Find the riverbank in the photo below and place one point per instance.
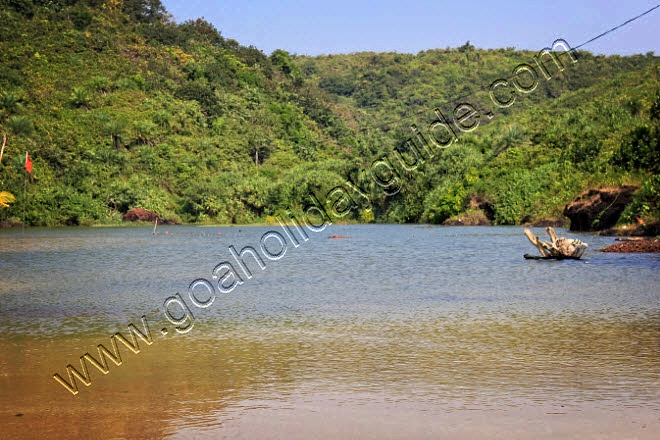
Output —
(644, 245)
(651, 229)
(473, 217)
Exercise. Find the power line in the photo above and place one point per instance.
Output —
(619, 26)
(460, 97)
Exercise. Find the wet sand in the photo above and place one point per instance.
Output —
(332, 416)
(300, 385)
(329, 417)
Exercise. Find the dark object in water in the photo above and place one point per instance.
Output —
(559, 249)
(143, 215)
(557, 257)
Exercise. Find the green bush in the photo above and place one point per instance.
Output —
(640, 150)
(515, 196)
(646, 202)
(443, 202)
(338, 85)
(201, 93)
(20, 125)
(80, 17)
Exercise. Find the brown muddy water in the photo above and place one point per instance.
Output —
(397, 332)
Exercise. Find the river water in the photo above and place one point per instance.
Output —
(391, 332)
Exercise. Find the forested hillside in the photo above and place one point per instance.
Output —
(119, 107)
(594, 123)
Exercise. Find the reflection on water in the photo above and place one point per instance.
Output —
(398, 331)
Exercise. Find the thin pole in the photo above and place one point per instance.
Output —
(2, 150)
(24, 200)
(155, 224)
(4, 142)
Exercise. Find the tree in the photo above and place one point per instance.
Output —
(80, 98)
(100, 84)
(117, 130)
(201, 93)
(24, 7)
(281, 59)
(10, 104)
(640, 150)
(467, 47)
(654, 111)
(201, 30)
(144, 132)
(20, 126)
(144, 11)
(259, 146)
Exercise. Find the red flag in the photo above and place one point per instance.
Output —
(28, 163)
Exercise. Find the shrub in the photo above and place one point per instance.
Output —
(99, 84)
(20, 125)
(10, 104)
(443, 202)
(5, 199)
(641, 150)
(79, 98)
(201, 93)
(515, 197)
(646, 202)
(117, 130)
(80, 17)
(338, 85)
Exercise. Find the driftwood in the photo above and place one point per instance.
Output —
(558, 249)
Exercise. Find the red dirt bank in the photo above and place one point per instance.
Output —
(645, 245)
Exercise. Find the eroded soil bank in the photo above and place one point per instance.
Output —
(632, 246)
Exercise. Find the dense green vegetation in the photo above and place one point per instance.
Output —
(121, 107)
(593, 124)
